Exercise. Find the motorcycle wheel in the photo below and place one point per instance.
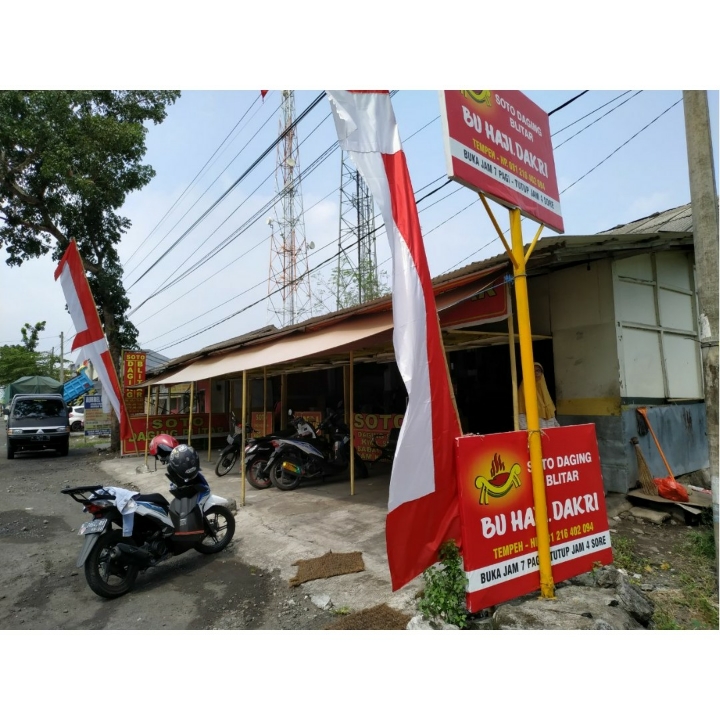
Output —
(222, 523)
(283, 480)
(252, 468)
(109, 577)
(227, 461)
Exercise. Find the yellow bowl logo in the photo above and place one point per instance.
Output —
(482, 97)
(500, 482)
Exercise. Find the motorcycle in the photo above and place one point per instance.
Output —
(328, 454)
(131, 532)
(258, 451)
(231, 452)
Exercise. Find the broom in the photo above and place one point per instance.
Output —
(646, 478)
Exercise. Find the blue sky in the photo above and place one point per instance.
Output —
(647, 175)
(226, 63)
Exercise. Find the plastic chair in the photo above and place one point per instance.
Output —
(387, 450)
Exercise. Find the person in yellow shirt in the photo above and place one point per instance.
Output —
(546, 407)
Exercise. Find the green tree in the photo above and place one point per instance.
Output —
(349, 286)
(17, 361)
(68, 160)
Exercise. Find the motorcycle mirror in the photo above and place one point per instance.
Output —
(290, 412)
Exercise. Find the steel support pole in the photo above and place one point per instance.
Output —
(547, 585)
(192, 398)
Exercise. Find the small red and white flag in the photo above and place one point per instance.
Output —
(423, 506)
(89, 335)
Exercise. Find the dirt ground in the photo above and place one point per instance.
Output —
(40, 587)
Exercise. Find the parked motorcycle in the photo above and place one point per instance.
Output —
(131, 532)
(259, 450)
(329, 454)
(231, 452)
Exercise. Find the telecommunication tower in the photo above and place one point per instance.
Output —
(357, 275)
(290, 296)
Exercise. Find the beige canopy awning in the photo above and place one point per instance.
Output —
(358, 331)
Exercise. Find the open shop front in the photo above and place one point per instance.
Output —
(349, 360)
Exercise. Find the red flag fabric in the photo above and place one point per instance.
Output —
(89, 335)
(263, 93)
(423, 506)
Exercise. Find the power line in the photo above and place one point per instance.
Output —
(569, 102)
(253, 165)
(592, 112)
(622, 146)
(202, 195)
(597, 120)
(192, 182)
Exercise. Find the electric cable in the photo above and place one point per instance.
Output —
(192, 181)
(252, 166)
(207, 189)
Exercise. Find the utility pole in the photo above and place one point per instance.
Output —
(62, 358)
(704, 199)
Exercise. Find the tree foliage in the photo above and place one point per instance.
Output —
(22, 360)
(68, 160)
(350, 286)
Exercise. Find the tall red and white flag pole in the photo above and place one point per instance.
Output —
(423, 506)
(89, 335)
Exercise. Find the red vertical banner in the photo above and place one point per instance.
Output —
(133, 364)
(499, 536)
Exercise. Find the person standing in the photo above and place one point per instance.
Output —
(546, 407)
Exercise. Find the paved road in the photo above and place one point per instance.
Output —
(40, 587)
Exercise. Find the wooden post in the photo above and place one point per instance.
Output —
(242, 450)
(513, 363)
(352, 430)
(210, 386)
(283, 401)
(192, 398)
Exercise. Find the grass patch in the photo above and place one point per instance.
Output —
(625, 557)
(93, 441)
(344, 610)
(695, 605)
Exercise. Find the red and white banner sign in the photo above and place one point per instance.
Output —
(498, 143)
(89, 335)
(499, 538)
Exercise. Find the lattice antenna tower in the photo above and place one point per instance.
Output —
(356, 239)
(288, 245)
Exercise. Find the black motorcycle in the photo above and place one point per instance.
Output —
(259, 450)
(324, 456)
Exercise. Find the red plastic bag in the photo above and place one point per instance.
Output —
(671, 490)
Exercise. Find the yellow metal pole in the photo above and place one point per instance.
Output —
(242, 449)
(352, 432)
(547, 585)
(147, 424)
(513, 364)
(210, 385)
(192, 399)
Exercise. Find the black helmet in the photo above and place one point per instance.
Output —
(183, 465)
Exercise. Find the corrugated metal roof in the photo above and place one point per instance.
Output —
(660, 231)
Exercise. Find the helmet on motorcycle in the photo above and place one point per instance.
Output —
(183, 465)
(161, 446)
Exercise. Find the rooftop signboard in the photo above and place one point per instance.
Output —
(497, 142)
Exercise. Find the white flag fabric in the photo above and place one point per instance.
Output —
(89, 335)
(423, 505)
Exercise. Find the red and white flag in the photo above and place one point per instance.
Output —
(89, 335)
(423, 507)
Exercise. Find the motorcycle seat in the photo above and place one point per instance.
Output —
(155, 498)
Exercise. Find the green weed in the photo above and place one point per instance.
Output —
(445, 586)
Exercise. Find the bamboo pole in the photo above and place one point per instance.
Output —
(513, 363)
(147, 425)
(283, 401)
(190, 418)
(547, 585)
(352, 429)
(265, 430)
(242, 450)
(210, 386)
